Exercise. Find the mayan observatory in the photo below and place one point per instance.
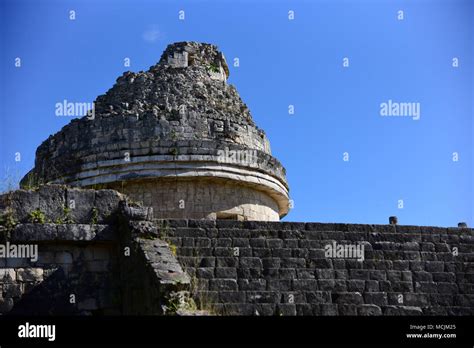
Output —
(165, 199)
(177, 138)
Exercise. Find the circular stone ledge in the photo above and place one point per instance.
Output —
(159, 167)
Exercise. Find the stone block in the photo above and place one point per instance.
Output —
(292, 262)
(376, 298)
(21, 202)
(75, 232)
(232, 297)
(238, 309)
(445, 277)
(207, 261)
(320, 263)
(372, 286)
(80, 201)
(223, 284)
(300, 253)
(107, 203)
(30, 232)
(378, 275)
(293, 297)
(432, 266)
(227, 261)
(257, 242)
(240, 242)
(274, 243)
(223, 252)
(254, 284)
(347, 309)
(7, 275)
(304, 273)
(356, 285)
(327, 284)
(314, 297)
(465, 300)
(360, 274)
(279, 284)
(187, 242)
(324, 273)
(206, 298)
(426, 287)
(402, 286)
(29, 274)
(286, 309)
(402, 310)
(281, 252)
(444, 300)
(261, 252)
(202, 242)
(326, 309)
(369, 310)
(271, 262)
(263, 297)
(347, 298)
(226, 272)
(304, 309)
(250, 262)
(264, 309)
(305, 284)
(417, 300)
(287, 273)
(249, 273)
(447, 288)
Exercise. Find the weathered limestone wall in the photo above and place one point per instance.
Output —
(73, 260)
(100, 257)
(281, 268)
(202, 199)
(76, 269)
(116, 259)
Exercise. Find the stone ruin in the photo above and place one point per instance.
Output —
(177, 138)
(150, 208)
(116, 258)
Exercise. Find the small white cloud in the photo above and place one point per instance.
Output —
(152, 34)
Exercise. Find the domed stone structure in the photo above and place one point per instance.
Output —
(176, 137)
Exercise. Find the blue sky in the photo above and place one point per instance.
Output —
(282, 62)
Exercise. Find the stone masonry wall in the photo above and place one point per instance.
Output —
(76, 269)
(76, 261)
(97, 257)
(202, 199)
(267, 268)
(115, 259)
